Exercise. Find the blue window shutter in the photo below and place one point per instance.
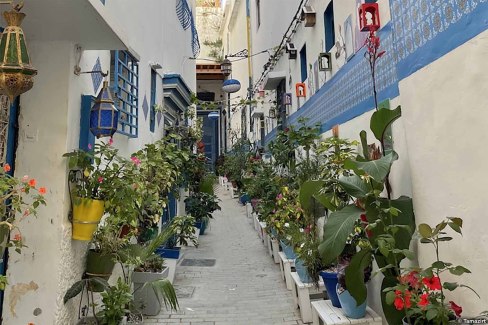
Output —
(152, 115)
(303, 62)
(86, 137)
(329, 27)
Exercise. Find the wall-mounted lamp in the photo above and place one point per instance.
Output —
(308, 15)
(369, 17)
(325, 62)
(16, 72)
(292, 51)
(155, 65)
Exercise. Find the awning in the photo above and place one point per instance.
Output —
(273, 79)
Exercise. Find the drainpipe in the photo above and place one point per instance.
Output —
(249, 65)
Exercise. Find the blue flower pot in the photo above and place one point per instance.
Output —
(202, 226)
(330, 281)
(244, 199)
(288, 250)
(302, 271)
(349, 305)
(274, 233)
(173, 253)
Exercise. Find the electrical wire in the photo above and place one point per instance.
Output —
(293, 27)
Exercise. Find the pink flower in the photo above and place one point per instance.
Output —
(25, 178)
(135, 160)
(100, 179)
(26, 212)
(111, 141)
(90, 146)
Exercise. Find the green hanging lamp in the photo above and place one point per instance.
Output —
(16, 72)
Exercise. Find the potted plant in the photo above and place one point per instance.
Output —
(201, 206)
(104, 252)
(420, 293)
(96, 176)
(184, 233)
(349, 305)
(19, 198)
(149, 275)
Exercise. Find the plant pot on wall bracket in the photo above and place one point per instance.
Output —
(99, 265)
(87, 213)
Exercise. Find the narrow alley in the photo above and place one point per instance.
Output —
(244, 286)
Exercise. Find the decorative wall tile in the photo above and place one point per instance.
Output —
(96, 77)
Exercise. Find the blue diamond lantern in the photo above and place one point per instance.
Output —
(104, 116)
(231, 86)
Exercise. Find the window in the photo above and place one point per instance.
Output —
(125, 83)
(152, 114)
(303, 62)
(258, 12)
(329, 27)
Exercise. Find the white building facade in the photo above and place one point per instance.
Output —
(151, 43)
(433, 67)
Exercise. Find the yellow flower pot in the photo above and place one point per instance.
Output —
(86, 216)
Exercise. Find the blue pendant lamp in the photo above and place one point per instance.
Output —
(104, 116)
(231, 86)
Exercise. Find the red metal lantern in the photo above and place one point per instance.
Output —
(369, 17)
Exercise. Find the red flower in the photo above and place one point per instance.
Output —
(433, 283)
(402, 300)
(456, 309)
(364, 222)
(42, 190)
(17, 237)
(424, 300)
(32, 183)
(6, 168)
(100, 179)
(398, 303)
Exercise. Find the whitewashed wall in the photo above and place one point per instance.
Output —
(40, 276)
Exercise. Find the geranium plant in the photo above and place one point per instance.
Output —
(420, 293)
(19, 199)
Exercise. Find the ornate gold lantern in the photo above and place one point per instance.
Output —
(16, 72)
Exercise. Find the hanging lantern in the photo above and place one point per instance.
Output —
(226, 67)
(369, 17)
(214, 115)
(231, 86)
(104, 116)
(16, 71)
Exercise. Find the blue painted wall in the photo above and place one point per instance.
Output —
(420, 32)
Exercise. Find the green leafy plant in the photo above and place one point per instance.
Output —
(116, 301)
(201, 206)
(184, 229)
(420, 293)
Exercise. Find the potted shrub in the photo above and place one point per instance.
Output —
(349, 305)
(95, 176)
(104, 252)
(201, 206)
(149, 275)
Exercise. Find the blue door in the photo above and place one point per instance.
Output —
(11, 146)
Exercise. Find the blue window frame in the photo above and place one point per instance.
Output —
(303, 62)
(125, 83)
(152, 114)
(329, 27)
